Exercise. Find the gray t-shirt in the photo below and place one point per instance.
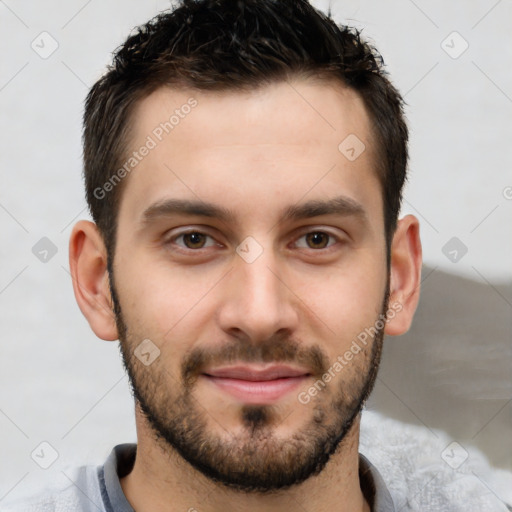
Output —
(99, 489)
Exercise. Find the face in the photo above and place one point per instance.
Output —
(251, 253)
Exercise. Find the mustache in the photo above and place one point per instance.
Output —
(277, 349)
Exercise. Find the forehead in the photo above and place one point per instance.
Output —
(279, 142)
(314, 111)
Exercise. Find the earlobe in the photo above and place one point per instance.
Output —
(88, 266)
(406, 260)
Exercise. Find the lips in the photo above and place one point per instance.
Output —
(252, 373)
(257, 385)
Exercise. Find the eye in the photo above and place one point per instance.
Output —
(197, 240)
(317, 240)
(193, 240)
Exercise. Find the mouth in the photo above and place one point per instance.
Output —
(257, 385)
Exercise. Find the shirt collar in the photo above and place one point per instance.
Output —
(373, 487)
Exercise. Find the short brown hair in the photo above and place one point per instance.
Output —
(225, 45)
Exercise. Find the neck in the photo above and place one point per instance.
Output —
(163, 481)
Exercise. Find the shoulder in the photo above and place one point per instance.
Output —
(76, 490)
(425, 469)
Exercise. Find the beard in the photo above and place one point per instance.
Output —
(254, 459)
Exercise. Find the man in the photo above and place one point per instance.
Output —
(244, 164)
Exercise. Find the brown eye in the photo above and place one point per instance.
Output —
(194, 240)
(317, 240)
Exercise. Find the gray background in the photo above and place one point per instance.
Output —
(60, 384)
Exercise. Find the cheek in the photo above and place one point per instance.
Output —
(158, 300)
(345, 300)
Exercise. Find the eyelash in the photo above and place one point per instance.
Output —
(172, 240)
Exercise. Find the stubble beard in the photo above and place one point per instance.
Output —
(253, 460)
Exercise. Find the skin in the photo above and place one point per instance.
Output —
(256, 153)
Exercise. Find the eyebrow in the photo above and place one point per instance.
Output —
(340, 205)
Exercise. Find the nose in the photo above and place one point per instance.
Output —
(257, 301)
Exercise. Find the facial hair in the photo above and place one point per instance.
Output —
(255, 460)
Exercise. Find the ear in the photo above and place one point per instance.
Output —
(88, 265)
(405, 276)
